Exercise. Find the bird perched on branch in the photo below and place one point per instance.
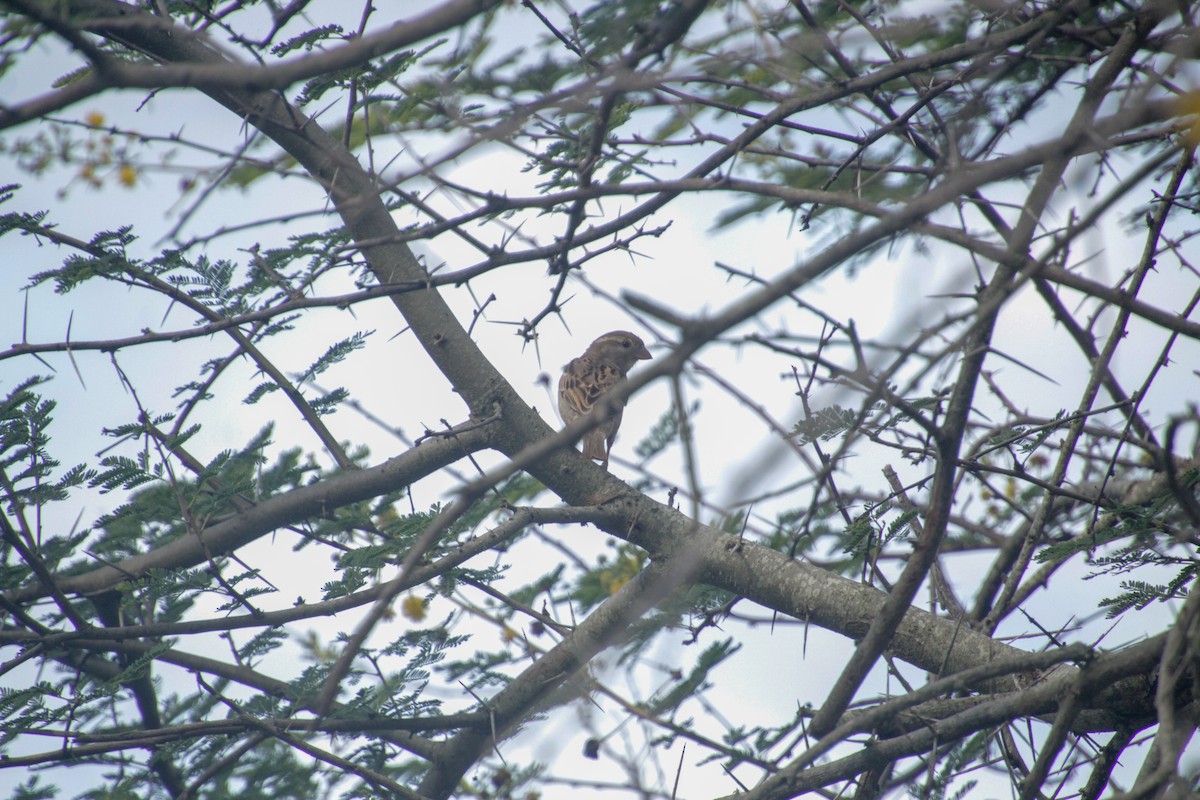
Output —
(586, 379)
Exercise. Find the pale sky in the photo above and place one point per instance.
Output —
(888, 299)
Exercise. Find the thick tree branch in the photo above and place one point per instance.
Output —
(299, 504)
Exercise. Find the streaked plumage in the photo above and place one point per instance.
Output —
(585, 380)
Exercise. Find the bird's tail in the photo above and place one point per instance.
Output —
(593, 445)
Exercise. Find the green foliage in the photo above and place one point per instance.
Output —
(25, 461)
(270, 770)
(179, 589)
(573, 143)
(518, 489)
(664, 432)
(306, 687)
(1139, 594)
(335, 354)
(23, 221)
(1148, 530)
(938, 783)
(828, 423)
(367, 79)
(402, 693)
(678, 610)
(126, 473)
(30, 789)
(350, 581)
(399, 533)
(527, 594)
(815, 177)
(604, 29)
(140, 666)
(696, 681)
(175, 505)
(896, 528)
(100, 262)
(259, 392)
(159, 584)
(329, 402)
(866, 531)
(25, 709)
(859, 535)
(1141, 521)
(268, 640)
(377, 556)
(609, 575)
(479, 670)
(308, 39)
(1027, 439)
(210, 282)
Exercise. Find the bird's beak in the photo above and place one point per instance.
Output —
(643, 354)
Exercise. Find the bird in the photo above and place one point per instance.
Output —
(586, 379)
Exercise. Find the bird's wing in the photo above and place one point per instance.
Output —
(582, 384)
(603, 377)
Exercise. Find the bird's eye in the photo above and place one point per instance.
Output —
(626, 344)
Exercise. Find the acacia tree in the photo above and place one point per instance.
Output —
(486, 611)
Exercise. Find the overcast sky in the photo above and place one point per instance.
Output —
(888, 299)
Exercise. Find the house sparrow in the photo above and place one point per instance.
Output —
(585, 380)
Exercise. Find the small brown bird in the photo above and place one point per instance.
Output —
(585, 380)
